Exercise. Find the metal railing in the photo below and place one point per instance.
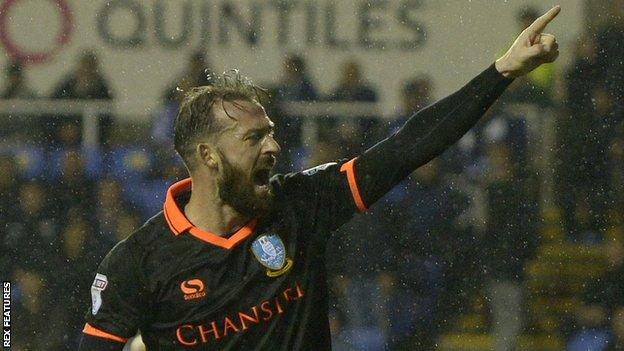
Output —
(89, 110)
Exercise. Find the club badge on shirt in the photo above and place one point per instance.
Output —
(99, 284)
(269, 250)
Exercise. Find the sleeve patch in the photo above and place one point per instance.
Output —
(99, 284)
(313, 170)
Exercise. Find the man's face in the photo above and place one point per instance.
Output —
(247, 151)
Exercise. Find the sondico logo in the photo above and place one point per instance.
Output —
(193, 289)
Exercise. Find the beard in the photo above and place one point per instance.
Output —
(239, 191)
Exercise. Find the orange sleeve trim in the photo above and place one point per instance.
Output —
(91, 330)
(349, 168)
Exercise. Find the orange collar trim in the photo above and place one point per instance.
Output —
(178, 223)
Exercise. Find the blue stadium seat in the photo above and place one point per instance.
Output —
(129, 162)
(30, 160)
(589, 340)
(147, 196)
(92, 158)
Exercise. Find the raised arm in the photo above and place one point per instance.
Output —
(387, 163)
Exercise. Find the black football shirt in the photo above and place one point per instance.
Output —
(262, 288)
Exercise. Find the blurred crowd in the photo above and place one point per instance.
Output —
(468, 221)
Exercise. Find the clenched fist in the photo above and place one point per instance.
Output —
(531, 49)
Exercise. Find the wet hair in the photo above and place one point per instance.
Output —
(196, 121)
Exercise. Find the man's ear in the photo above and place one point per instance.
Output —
(207, 155)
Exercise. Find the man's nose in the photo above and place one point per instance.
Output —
(272, 146)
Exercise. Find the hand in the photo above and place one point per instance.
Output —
(531, 49)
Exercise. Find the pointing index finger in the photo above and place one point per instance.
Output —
(541, 22)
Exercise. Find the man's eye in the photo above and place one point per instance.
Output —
(255, 137)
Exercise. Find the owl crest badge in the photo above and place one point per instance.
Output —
(269, 250)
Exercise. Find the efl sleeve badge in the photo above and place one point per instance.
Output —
(99, 284)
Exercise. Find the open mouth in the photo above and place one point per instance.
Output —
(261, 177)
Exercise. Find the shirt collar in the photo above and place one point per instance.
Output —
(178, 223)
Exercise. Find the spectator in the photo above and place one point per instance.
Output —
(37, 322)
(8, 186)
(617, 330)
(110, 210)
(73, 187)
(610, 53)
(362, 254)
(30, 246)
(86, 82)
(352, 86)
(14, 127)
(607, 291)
(295, 85)
(196, 73)
(69, 133)
(17, 87)
(510, 238)
(592, 333)
(586, 184)
(616, 176)
(9, 183)
(586, 130)
(78, 253)
(428, 244)
(327, 150)
(416, 95)
(581, 79)
(601, 298)
(33, 231)
(355, 133)
(583, 76)
(127, 223)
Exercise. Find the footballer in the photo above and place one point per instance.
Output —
(235, 261)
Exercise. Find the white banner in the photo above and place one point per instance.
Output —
(144, 45)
